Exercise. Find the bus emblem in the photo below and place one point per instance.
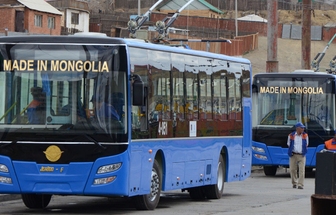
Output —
(53, 153)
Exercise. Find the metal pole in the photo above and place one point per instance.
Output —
(272, 64)
(218, 20)
(306, 34)
(139, 8)
(236, 22)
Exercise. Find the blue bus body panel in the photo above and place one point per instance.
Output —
(193, 162)
(9, 188)
(313, 160)
(117, 187)
(186, 169)
(66, 179)
(278, 156)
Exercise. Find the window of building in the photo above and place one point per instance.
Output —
(74, 18)
(51, 22)
(38, 20)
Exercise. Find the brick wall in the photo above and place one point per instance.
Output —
(30, 24)
(203, 13)
(7, 19)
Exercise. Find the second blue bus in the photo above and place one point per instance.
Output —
(280, 100)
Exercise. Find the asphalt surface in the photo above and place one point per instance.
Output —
(10, 197)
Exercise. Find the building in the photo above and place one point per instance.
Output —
(76, 15)
(196, 8)
(29, 16)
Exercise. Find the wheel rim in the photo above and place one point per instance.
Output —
(220, 176)
(155, 185)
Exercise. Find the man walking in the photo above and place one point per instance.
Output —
(297, 148)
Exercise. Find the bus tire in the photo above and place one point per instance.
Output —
(215, 191)
(309, 169)
(151, 200)
(196, 193)
(270, 170)
(36, 201)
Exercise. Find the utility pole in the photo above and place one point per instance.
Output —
(236, 17)
(272, 64)
(306, 34)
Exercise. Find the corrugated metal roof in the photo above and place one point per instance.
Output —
(252, 18)
(211, 7)
(40, 5)
(195, 5)
(330, 24)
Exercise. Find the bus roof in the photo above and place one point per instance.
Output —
(153, 46)
(80, 38)
(90, 38)
(297, 73)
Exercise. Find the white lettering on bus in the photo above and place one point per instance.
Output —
(293, 90)
(163, 128)
(56, 65)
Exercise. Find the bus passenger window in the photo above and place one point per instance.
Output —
(178, 86)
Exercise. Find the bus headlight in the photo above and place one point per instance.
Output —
(258, 149)
(262, 157)
(3, 168)
(108, 168)
(5, 180)
(107, 180)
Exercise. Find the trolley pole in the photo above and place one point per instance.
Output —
(272, 64)
(306, 34)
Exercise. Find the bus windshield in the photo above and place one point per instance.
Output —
(286, 101)
(63, 89)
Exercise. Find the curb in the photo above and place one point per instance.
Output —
(9, 197)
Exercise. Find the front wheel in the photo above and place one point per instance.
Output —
(151, 200)
(270, 170)
(36, 201)
(215, 191)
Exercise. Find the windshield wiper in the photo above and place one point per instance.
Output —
(95, 141)
(8, 144)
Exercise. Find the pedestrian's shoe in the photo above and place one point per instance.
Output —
(300, 187)
(294, 186)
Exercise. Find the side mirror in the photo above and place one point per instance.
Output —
(138, 91)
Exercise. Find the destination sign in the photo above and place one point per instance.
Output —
(292, 90)
(56, 65)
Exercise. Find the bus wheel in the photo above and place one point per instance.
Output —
(215, 191)
(36, 201)
(270, 170)
(151, 200)
(309, 169)
(196, 193)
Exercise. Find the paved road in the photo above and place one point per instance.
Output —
(257, 195)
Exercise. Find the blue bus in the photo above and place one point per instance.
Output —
(280, 100)
(100, 116)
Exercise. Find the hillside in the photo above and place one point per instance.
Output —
(319, 17)
(289, 54)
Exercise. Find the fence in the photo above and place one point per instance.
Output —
(239, 46)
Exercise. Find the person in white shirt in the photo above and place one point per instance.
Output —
(297, 149)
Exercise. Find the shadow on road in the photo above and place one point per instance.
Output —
(281, 173)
